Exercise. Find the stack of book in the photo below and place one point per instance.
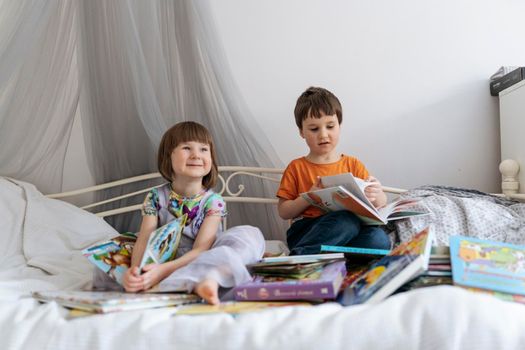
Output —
(386, 275)
(104, 302)
(300, 277)
(439, 271)
(490, 267)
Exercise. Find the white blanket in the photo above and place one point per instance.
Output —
(42, 242)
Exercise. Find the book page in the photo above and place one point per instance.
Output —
(351, 183)
(402, 208)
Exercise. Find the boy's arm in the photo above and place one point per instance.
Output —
(291, 208)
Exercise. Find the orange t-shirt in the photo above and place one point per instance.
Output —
(300, 175)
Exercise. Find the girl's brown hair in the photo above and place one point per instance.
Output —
(185, 132)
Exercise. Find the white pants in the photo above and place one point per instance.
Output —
(224, 262)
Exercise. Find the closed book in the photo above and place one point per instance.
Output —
(488, 265)
(323, 286)
(103, 302)
(356, 253)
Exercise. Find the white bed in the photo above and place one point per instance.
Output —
(41, 251)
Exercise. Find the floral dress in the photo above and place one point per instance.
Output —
(225, 261)
(167, 205)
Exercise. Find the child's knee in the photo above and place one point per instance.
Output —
(380, 240)
(247, 235)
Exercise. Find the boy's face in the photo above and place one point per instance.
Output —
(321, 134)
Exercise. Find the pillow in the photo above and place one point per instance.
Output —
(50, 234)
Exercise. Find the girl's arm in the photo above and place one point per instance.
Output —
(132, 280)
(148, 225)
(154, 273)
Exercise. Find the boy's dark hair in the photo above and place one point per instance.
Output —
(313, 102)
(185, 132)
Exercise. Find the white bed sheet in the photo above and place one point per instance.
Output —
(51, 232)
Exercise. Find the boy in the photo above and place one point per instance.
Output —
(318, 115)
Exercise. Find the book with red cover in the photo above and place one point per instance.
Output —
(323, 284)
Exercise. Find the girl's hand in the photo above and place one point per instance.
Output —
(132, 280)
(152, 274)
(374, 191)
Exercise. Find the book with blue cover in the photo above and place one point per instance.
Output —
(384, 276)
(356, 253)
(113, 256)
(488, 265)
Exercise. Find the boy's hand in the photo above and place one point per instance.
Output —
(132, 280)
(317, 185)
(374, 192)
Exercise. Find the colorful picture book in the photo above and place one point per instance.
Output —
(346, 192)
(103, 302)
(321, 284)
(488, 265)
(384, 276)
(113, 256)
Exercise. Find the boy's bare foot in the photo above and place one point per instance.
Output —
(208, 290)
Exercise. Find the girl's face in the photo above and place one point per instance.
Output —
(321, 134)
(191, 160)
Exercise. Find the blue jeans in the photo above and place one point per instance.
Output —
(341, 228)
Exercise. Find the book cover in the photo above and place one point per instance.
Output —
(113, 256)
(103, 302)
(356, 253)
(324, 284)
(488, 264)
(384, 276)
(345, 192)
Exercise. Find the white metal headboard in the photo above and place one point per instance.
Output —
(226, 174)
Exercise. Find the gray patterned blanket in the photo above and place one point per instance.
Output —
(466, 212)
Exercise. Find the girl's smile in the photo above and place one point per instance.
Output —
(191, 160)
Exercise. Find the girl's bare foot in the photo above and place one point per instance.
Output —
(208, 290)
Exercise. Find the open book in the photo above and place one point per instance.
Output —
(384, 276)
(113, 256)
(346, 192)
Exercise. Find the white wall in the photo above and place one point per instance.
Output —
(412, 76)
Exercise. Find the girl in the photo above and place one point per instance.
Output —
(207, 257)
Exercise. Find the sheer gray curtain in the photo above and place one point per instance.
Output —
(39, 89)
(142, 66)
